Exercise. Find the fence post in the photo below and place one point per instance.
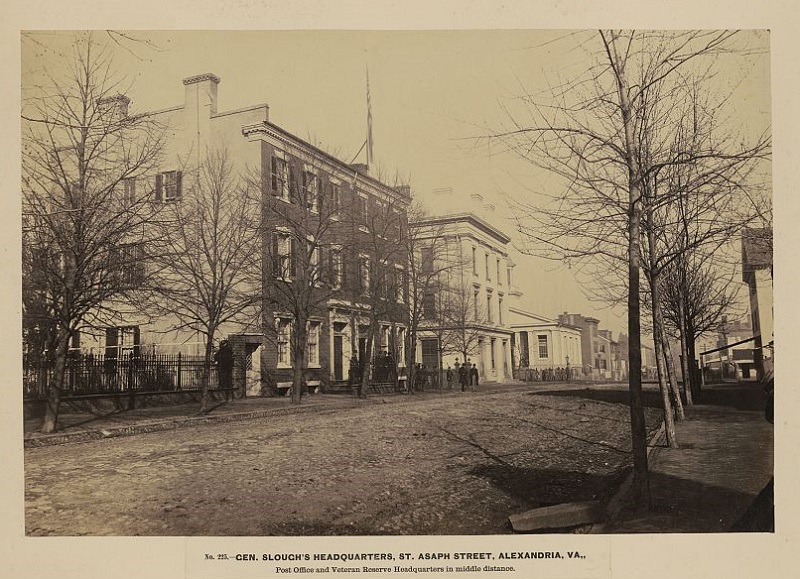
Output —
(179, 371)
(131, 397)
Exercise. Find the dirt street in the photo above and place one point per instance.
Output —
(458, 464)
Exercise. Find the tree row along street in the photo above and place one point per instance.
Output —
(457, 465)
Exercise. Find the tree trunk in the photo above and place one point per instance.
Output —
(691, 349)
(366, 363)
(672, 377)
(638, 428)
(669, 420)
(298, 344)
(50, 421)
(205, 384)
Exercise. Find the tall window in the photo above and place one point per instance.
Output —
(131, 264)
(363, 273)
(284, 331)
(499, 279)
(310, 190)
(474, 261)
(313, 344)
(128, 191)
(399, 285)
(429, 306)
(283, 256)
(508, 276)
(486, 260)
(489, 314)
(278, 178)
(335, 199)
(336, 268)
(492, 346)
(168, 186)
(500, 310)
(427, 260)
(401, 346)
(475, 303)
(294, 188)
(542, 346)
(363, 216)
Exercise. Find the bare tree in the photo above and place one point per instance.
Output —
(600, 134)
(378, 227)
(306, 228)
(83, 221)
(205, 271)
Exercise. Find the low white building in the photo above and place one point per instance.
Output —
(542, 343)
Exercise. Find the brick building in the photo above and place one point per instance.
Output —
(317, 212)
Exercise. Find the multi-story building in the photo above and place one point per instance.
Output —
(467, 314)
(588, 327)
(316, 212)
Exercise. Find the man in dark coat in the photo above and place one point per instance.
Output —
(474, 376)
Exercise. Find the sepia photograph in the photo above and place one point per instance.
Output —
(410, 302)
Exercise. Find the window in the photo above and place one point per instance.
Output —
(489, 313)
(499, 279)
(401, 346)
(312, 352)
(312, 254)
(293, 186)
(336, 266)
(500, 310)
(284, 330)
(168, 186)
(278, 178)
(363, 216)
(400, 285)
(486, 259)
(363, 273)
(335, 198)
(474, 261)
(429, 306)
(492, 345)
(121, 341)
(427, 260)
(475, 303)
(283, 256)
(318, 194)
(131, 266)
(128, 191)
(542, 346)
(309, 190)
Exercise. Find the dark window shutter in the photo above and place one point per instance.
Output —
(274, 173)
(293, 257)
(159, 187)
(178, 185)
(136, 340)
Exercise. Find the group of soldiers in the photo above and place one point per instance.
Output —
(546, 375)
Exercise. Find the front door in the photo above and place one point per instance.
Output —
(338, 357)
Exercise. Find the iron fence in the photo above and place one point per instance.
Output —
(126, 373)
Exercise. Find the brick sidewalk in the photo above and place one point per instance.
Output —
(712, 481)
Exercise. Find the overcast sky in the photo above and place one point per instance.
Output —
(434, 94)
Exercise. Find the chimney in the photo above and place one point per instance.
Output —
(362, 168)
(201, 93)
(116, 106)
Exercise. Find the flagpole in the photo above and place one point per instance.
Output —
(370, 155)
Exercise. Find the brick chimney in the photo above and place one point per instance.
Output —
(201, 93)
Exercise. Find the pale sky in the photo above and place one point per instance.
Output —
(433, 95)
